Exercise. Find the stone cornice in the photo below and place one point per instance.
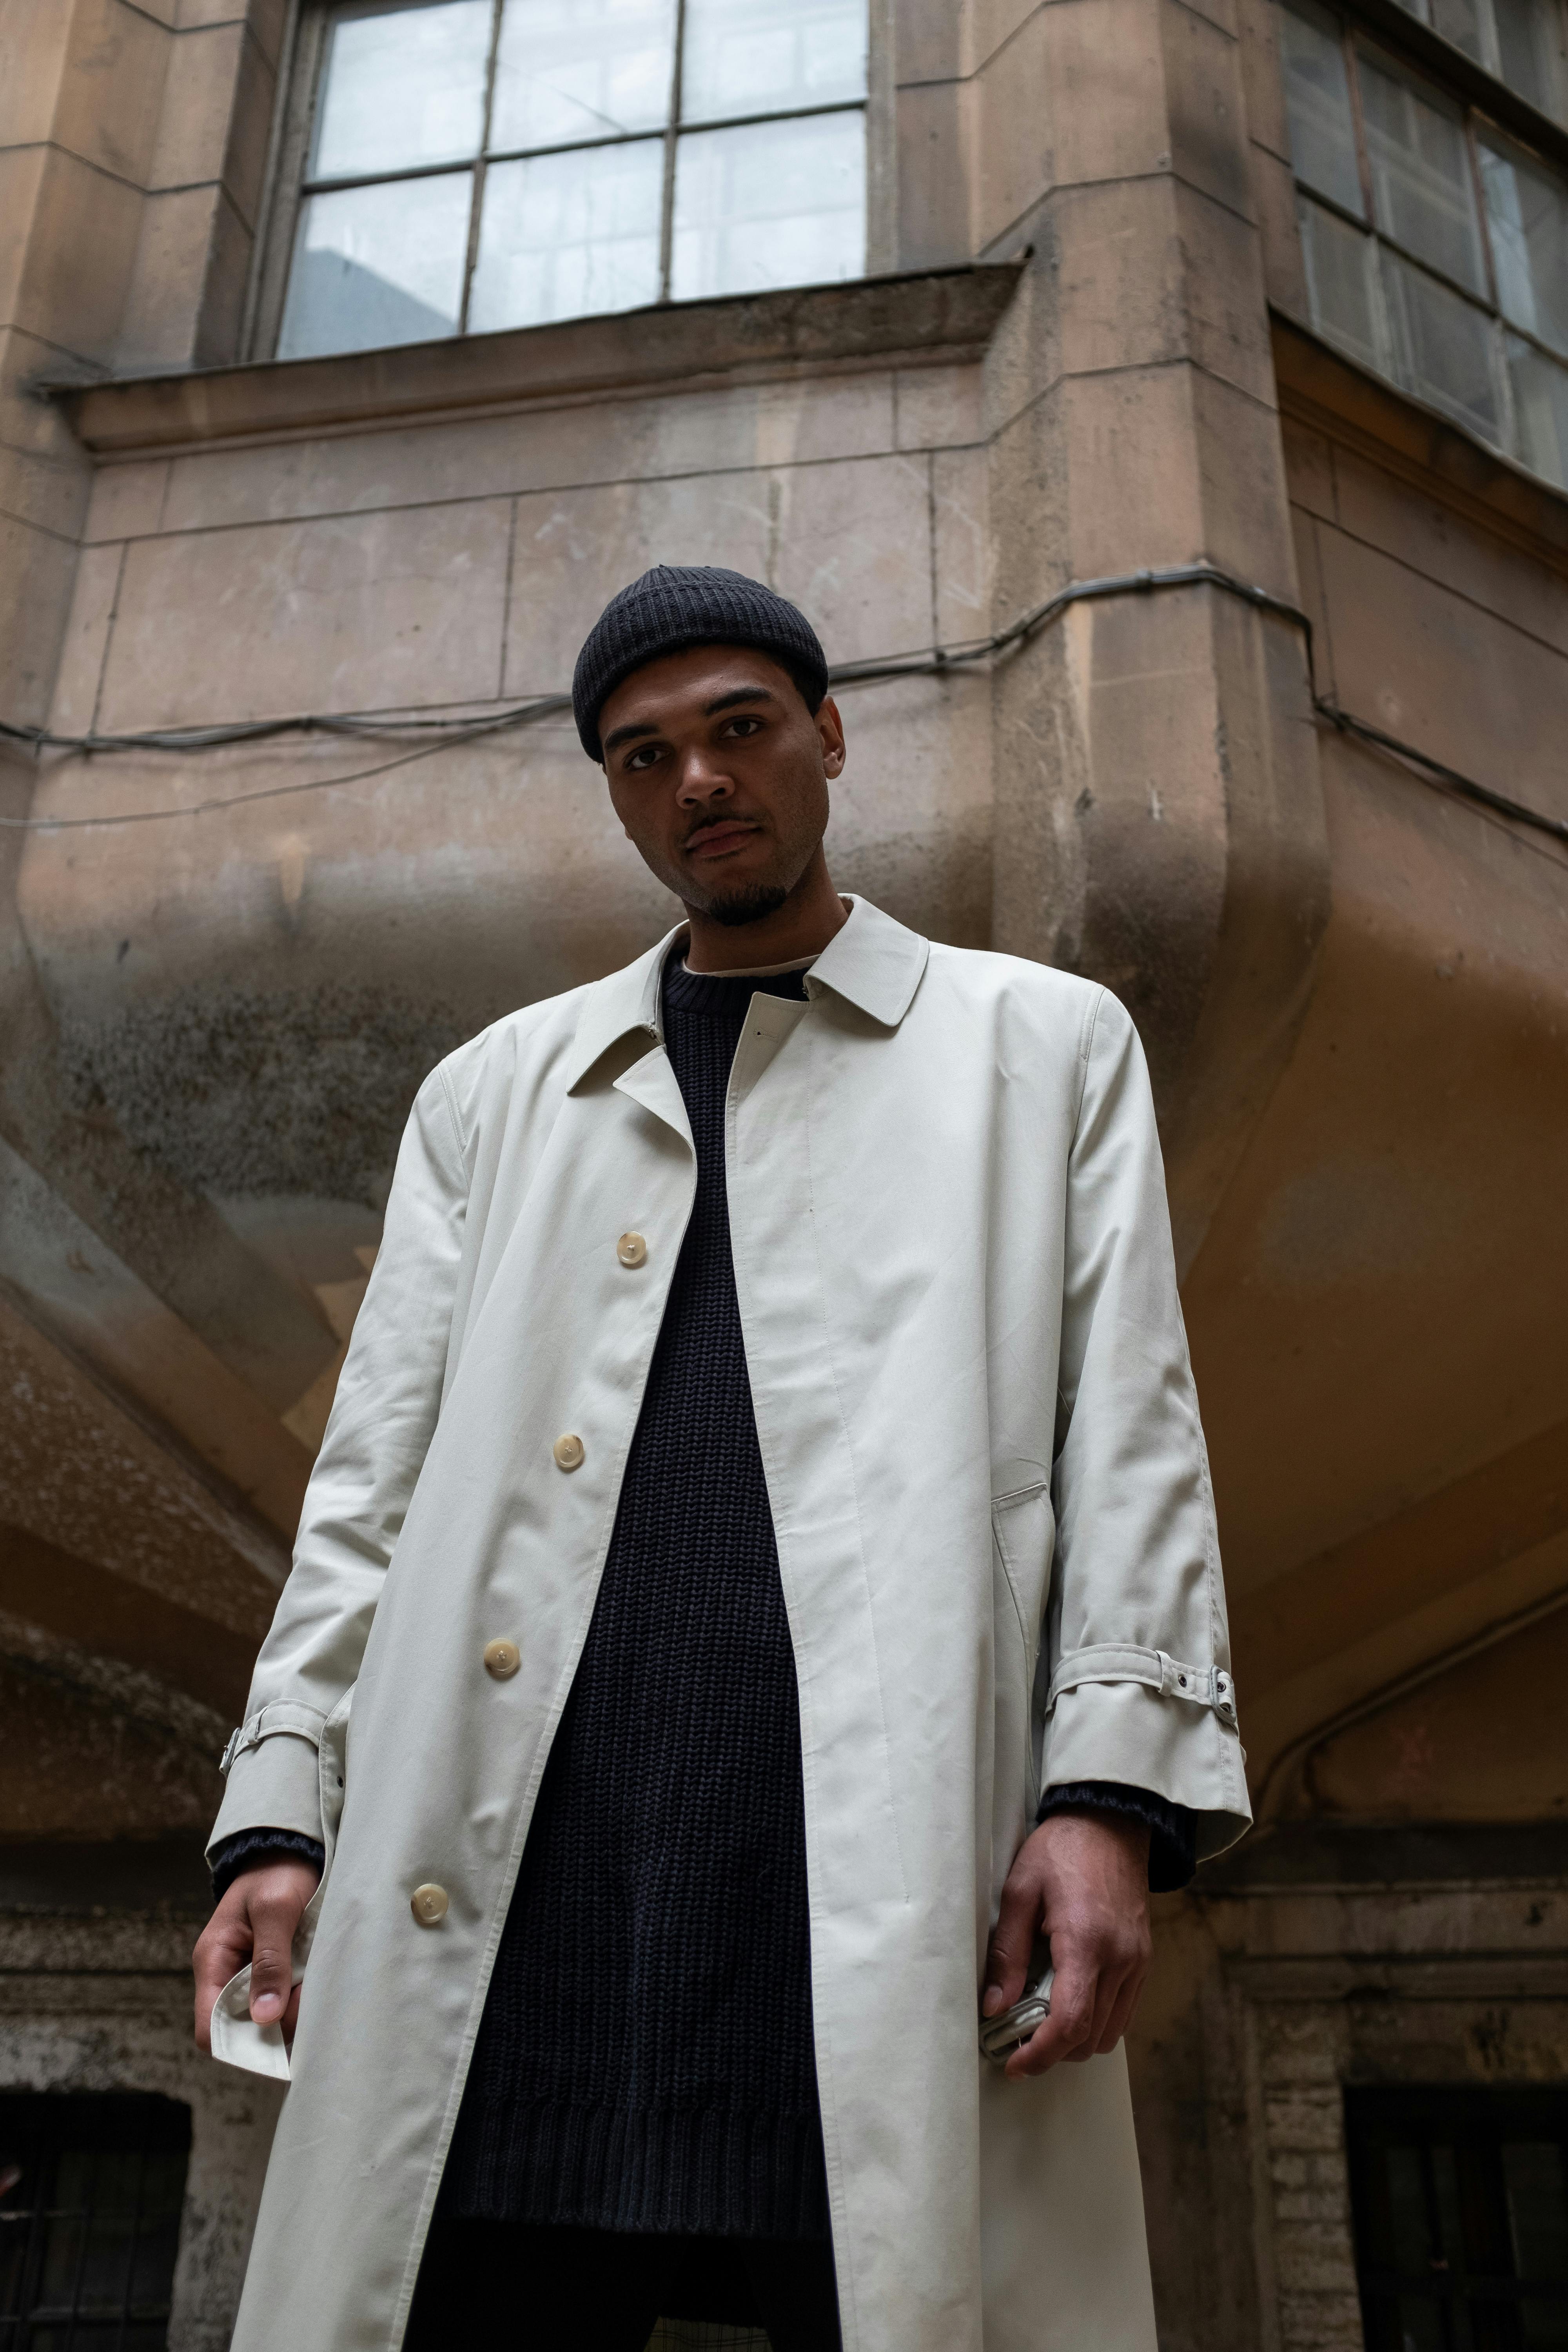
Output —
(946, 313)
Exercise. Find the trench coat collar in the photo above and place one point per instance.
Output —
(872, 961)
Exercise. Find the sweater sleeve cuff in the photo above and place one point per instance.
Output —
(242, 1851)
(1173, 1830)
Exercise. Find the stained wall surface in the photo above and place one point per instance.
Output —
(1083, 354)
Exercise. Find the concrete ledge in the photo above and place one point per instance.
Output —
(1335, 1856)
(1321, 388)
(161, 1876)
(950, 313)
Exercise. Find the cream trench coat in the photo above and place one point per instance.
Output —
(997, 1544)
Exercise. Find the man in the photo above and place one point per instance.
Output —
(765, 1480)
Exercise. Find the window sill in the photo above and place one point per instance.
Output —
(1319, 387)
(942, 314)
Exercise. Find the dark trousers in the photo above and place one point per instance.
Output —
(516, 2287)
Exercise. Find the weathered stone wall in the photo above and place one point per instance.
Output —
(99, 2001)
(1313, 1961)
(1352, 989)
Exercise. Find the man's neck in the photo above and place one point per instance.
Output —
(801, 926)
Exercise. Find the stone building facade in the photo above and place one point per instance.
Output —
(1268, 298)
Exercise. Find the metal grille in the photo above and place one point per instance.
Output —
(705, 2335)
(1461, 2218)
(91, 2191)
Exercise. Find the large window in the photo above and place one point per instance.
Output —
(1520, 41)
(1436, 246)
(1460, 2200)
(91, 2191)
(475, 164)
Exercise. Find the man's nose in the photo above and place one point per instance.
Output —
(703, 778)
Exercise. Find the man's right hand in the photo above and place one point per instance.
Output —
(255, 1920)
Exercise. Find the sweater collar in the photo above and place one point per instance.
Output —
(872, 962)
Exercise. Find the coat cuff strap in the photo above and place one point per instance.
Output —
(278, 1715)
(1125, 1662)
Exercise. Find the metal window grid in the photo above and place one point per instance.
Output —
(1469, 2294)
(480, 163)
(1355, 44)
(40, 2134)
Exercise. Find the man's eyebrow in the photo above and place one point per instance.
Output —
(731, 701)
(629, 734)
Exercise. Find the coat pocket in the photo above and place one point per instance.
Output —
(1023, 1534)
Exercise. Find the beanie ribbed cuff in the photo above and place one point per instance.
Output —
(679, 604)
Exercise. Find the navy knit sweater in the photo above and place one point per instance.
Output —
(645, 2060)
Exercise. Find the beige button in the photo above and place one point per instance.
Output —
(503, 1659)
(569, 1452)
(428, 1904)
(632, 1250)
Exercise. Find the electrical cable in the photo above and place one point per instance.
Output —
(442, 734)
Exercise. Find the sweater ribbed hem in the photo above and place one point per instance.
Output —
(704, 2172)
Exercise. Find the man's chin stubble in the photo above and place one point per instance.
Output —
(749, 905)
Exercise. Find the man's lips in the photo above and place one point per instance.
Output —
(716, 840)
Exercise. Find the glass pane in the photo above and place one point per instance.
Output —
(106, 2258)
(1527, 213)
(1529, 57)
(1420, 175)
(1466, 23)
(571, 70)
(1409, 2225)
(377, 266)
(401, 87)
(1420, 2325)
(566, 235)
(1443, 348)
(1317, 101)
(1544, 2321)
(777, 203)
(762, 57)
(1537, 2208)
(158, 2233)
(1342, 284)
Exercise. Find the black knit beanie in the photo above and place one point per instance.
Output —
(680, 604)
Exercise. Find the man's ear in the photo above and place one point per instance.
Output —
(831, 733)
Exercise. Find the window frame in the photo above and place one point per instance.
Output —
(289, 188)
(1477, 2121)
(1358, 37)
(48, 2126)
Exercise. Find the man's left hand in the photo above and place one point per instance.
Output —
(1081, 1881)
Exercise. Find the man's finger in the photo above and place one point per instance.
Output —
(1068, 2026)
(1012, 1940)
(224, 1946)
(272, 1960)
(1120, 2016)
(1108, 1991)
(1126, 2002)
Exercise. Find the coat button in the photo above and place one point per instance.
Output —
(569, 1452)
(428, 1904)
(503, 1659)
(632, 1250)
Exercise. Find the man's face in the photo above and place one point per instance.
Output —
(719, 773)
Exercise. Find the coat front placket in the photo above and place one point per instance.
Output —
(453, 1805)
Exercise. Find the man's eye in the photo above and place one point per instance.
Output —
(745, 726)
(643, 757)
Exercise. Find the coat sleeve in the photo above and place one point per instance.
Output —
(1140, 1688)
(381, 1424)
